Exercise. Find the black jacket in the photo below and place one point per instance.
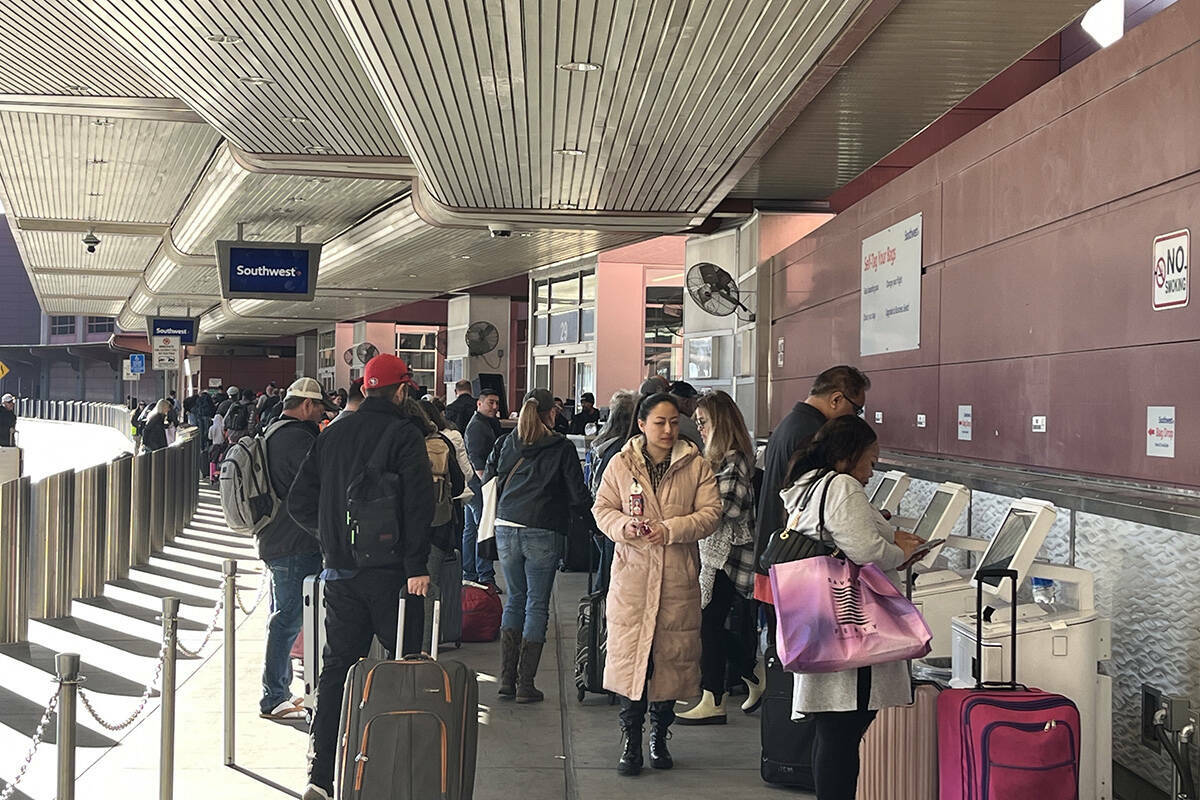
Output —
(582, 418)
(546, 488)
(317, 500)
(480, 437)
(287, 446)
(154, 435)
(792, 433)
(8, 424)
(460, 411)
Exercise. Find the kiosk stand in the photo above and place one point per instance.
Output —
(889, 492)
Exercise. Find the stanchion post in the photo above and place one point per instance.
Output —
(67, 665)
(230, 682)
(166, 759)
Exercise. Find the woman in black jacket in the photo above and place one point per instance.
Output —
(154, 434)
(540, 484)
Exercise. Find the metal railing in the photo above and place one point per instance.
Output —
(110, 415)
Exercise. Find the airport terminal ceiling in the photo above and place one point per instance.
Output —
(395, 135)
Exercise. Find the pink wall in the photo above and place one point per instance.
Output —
(1036, 298)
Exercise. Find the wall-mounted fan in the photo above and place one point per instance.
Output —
(715, 291)
(482, 338)
(348, 356)
(365, 352)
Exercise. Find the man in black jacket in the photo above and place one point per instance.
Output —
(361, 603)
(588, 414)
(460, 411)
(481, 435)
(289, 552)
(836, 392)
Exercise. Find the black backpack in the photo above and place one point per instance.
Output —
(373, 511)
(237, 418)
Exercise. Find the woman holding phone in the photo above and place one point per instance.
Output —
(840, 461)
(657, 499)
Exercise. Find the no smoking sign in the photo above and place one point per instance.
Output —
(1170, 269)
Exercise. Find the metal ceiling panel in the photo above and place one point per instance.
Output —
(85, 286)
(55, 250)
(271, 206)
(683, 90)
(284, 78)
(91, 168)
(98, 308)
(51, 48)
(165, 275)
(924, 58)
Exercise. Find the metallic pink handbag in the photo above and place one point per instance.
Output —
(834, 615)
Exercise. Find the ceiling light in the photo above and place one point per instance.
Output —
(95, 194)
(256, 80)
(103, 123)
(294, 199)
(1105, 21)
(224, 38)
(565, 206)
(411, 275)
(465, 258)
(318, 151)
(525, 234)
(298, 120)
(77, 87)
(571, 151)
(96, 162)
(317, 180)
(580, 66)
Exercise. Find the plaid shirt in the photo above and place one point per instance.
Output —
(731, 547)
(657, 471)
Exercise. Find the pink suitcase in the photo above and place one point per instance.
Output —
(899, 754)
(1003, 740)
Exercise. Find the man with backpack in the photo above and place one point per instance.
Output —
(238, 418)
(366, 491)
(289, 552)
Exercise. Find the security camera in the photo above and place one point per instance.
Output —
(91, 241)
(220, 337)
(499, 232)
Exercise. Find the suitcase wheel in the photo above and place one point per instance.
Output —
(458, 644)
(612, 699)
(581, 694)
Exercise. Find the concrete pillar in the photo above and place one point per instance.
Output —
(461, 312)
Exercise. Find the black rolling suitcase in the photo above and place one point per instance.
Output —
(591, 644)
(578, 546)
(409, 728)
(450, 593)
(787, 746)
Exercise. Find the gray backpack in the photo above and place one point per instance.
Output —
(247, 497)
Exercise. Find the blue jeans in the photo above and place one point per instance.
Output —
(478, 570)
(529, 558)
(287, 604)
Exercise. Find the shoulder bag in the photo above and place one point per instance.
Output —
(485, 540)
(789, 544)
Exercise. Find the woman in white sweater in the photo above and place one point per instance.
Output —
(832, 472)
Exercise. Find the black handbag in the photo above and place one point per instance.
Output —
(788, 544)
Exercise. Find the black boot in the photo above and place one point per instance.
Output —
(662, 714)
(632, 716)
(510, 652)
(527, 665)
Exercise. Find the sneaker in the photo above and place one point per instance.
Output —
(285, 710)
(314, 792)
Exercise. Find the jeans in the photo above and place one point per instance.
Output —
(357, 609)
(529, 558)
(475, 569)
(287, 603)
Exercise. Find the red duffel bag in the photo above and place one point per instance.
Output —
(482, 609)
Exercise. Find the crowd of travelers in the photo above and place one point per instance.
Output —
(679, 503)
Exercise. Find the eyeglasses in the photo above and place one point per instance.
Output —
(858, 410)
(701, 423)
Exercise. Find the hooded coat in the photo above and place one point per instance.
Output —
(654, 593)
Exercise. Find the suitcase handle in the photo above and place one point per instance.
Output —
(1002, 574)
(437, 621)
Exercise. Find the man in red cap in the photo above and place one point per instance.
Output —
(367, 558)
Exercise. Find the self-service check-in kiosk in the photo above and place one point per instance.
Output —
(890, 491)
(1059, 645)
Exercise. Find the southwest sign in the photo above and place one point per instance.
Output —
(183, 327)
(268, 270)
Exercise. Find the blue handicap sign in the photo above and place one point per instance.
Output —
(137, 363)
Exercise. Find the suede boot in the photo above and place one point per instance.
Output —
(531, 654)
(632, 716)
(510, 652)
(662, 714)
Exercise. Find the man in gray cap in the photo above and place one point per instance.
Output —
(686, 395)
(8, 421)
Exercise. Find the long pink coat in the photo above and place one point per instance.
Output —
(654, 592)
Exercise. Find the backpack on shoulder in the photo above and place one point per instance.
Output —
(441, 454)
(237, 418)
(247, 497)
(373, 510)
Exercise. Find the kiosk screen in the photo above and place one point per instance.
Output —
(882, 491)
(933, 514)
(1008, 541)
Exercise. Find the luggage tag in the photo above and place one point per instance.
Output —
(637, 500)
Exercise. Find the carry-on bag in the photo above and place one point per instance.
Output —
(409, 728)
(450, 593)
(578, 544)
(1002, 740)
(481, 612)
(899, 753)
(591, 643)
(787, 744)
(312, 640)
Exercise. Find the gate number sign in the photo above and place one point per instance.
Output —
(1171, 253)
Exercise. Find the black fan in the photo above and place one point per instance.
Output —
(348, 356)
(365, 352)
(482, 338)
(715, 291)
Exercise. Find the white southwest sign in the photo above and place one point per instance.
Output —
(891, 289)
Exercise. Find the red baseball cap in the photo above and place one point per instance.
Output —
(386, 370)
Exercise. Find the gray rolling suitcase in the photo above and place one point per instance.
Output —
(409, 728)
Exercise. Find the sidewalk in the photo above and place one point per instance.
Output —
(557, 750)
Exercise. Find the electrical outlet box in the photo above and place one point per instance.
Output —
(1179, 711)
(1152, 700)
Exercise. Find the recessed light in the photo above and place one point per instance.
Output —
(103, 123)
(412, 275)
(565, 206)
(580, 66)
(298, 120)
(95, 194)
(96, 162)
(256, 80)
(78, 87)
(294, 199)
(318, 151)
(571, 151)
(317, 180)
(224, 38)
(465, 258)
(374, 288)
(525, 234)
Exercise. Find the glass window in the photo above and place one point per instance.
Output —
(564, 328)
(564, 291)
(588, 283)
(100, 325)
(543, 330)
(541, 375)
(62, 325)
(541, 295)
(587, 325)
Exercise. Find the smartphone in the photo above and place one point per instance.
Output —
(925, 549)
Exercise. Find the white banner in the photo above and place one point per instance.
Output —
(166, 352)
(127, 375)
(891, 289)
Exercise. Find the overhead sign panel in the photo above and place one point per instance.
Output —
(183, 327)
(891, 289)
(268, 270)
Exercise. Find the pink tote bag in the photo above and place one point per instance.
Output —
(834, 615)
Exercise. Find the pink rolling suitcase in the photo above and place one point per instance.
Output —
(899, 754)
(1004, 740)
